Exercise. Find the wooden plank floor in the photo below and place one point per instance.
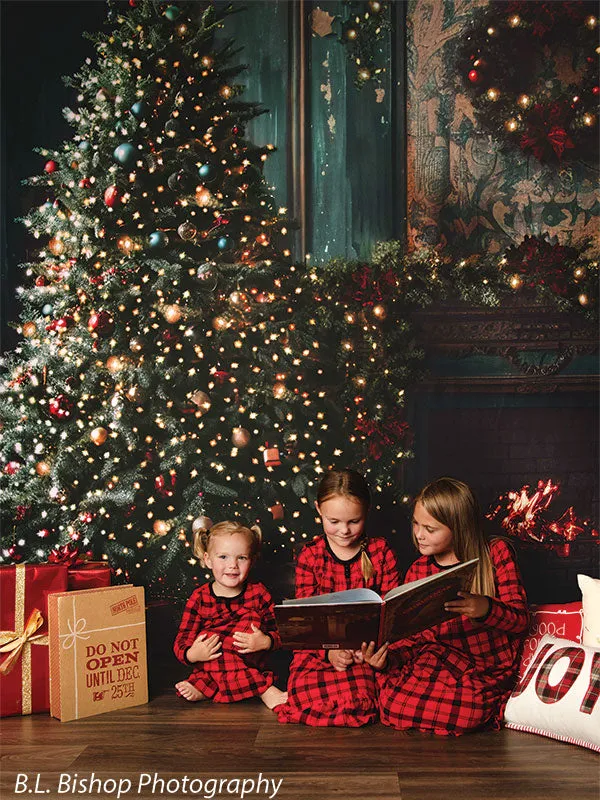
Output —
(172, 739)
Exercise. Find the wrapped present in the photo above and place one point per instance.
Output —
(97, 651)
(24, 663)
(82, 574)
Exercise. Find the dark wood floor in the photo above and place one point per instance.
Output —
(206, 742)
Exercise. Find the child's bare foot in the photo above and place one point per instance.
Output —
(273, 697)
(189, 692)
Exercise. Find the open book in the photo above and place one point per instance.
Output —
(343, 620)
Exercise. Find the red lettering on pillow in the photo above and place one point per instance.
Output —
(593, 690)
(552, 694)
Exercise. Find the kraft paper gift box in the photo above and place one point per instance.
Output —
(97, 651)
(24, 664)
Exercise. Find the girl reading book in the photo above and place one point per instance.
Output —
(228, 625)
(336, 687)
(456, 676)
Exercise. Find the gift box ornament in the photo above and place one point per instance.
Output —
(82, 574)
(24, 663)
(97, 651)
(272, 457)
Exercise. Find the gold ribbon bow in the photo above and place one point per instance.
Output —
(13, 642)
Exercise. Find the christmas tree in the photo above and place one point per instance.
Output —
(175, 367)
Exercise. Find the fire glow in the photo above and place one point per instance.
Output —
(524, 518)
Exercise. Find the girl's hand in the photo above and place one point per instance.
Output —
(471, 605)
(340, 660)
(204, 649)
(251, 642)
(376, 658)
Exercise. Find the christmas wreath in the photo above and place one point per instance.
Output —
(531, 71)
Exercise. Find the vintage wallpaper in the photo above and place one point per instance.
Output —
(460, 186)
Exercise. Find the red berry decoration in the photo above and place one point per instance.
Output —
(51, 166)
(111, 196)
(101, 323)
(60, 406)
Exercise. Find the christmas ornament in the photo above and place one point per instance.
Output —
(137, 344)
(240, 437)
(12, 467)
(271, 457)
(101, 323)
(85, 183)
(29, 329)
(202, 400)
(42, 468)
(47, 309)
(203, 197)
(223, 242)
(158, 239)
(124, 153)
(56, 246)
(125, 244)
(164, 486)
(160, 527)
(208, 275)
(114, 364)
(205, 171)
(186, 231)
(60, 407)
(44, 533)
(279, 390)
(139, 109)
(202, 524)
(50, 166)
(99, 436)
(111, 196)
(172, 13)
(277, 511)
(172, 313)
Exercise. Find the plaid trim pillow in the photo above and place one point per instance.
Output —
(559, 694)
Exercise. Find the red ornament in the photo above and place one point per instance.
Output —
(101, 323)
(474, 76)
(60, 406)
(40, 280)
(221, 376)
(111, 196)
(61, 325)
(12, 467)
(271, 457)
(162, 485)
(596, 90)
(43, 533)
(51, 166)
(85, 183)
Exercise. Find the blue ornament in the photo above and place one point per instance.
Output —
(158, 239)
(47, 310)
(204, 170)
(84, 146)
(138, 109)
(124, 153)
(172, 12)
(223, 242)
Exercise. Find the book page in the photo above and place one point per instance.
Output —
(335, 598)
(462, 568)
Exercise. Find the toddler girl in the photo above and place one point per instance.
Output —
(456, 676)
(229, 624)
(336, 687)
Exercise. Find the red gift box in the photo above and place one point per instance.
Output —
(82, 574)
(24, 661)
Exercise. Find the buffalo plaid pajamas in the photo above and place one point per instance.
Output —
(318, 694)
(232, 676)
(457, 676)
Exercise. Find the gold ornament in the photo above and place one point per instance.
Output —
(203, 197)
(55, 246)
(42, 468)
(202, 524)
(29, 329)
(161, 527)
(172, 313)
(220, 323)
(99, 436)
(379, 312)
(114, 364)
(202, 400)
(240, 437)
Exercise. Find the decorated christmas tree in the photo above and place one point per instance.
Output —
(175, 367)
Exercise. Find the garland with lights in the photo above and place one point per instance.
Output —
(362, 34)
(504, 65)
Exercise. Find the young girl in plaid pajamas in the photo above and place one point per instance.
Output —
(336, 687)
(457, 676)
(229, 624)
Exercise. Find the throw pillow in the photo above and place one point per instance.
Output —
(590, 593)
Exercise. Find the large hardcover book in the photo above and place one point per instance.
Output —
(343, 620)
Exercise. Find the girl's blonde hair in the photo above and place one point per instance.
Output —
(452, 503)
(203, 537)
(351, 484)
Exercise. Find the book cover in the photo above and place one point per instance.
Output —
(343, 620)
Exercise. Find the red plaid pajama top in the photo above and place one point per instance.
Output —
(457, 676)
(233, 676)
(318, 694)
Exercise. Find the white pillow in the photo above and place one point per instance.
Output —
(559, 695)
(590, 594)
